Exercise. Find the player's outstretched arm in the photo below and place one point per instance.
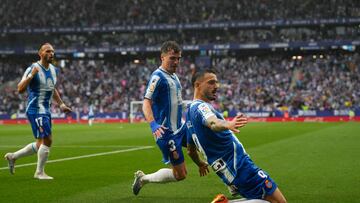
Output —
(194, 155)
(26, 80)
(61, 104)
(218, 125)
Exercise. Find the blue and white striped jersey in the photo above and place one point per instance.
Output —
(222, 150)
(41, 88)
(164, 89)
(91, 110)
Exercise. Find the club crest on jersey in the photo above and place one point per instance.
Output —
(50, 83)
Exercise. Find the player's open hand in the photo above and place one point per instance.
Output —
(239, 121)
(159, 132)
(156, 129)
(203, 169)
(65, 108)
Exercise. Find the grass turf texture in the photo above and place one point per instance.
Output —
(311, 162)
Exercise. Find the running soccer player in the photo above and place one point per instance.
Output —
(39, 79)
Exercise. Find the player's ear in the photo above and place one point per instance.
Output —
(197, 84)
(40, 51)
(162, 56)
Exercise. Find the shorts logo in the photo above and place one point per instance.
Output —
(188, 124)
(268, 184)
(41, 129)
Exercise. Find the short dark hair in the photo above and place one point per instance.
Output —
(199, 74)
(46, 43)
(168, 46)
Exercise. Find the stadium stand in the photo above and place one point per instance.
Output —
(315, 82)
(268, 57)
(25, 14)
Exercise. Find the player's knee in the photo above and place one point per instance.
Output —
(283, 200)
(47, 141)
(278, 200)
(180, 176)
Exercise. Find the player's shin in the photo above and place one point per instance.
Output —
(28, 150)
(43, 154)
(163, 175)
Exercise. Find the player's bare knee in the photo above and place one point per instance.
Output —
(180, 176)
(47, 141)
(280, 201)
(283, 201)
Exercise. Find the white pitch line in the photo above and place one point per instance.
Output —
(84, 156)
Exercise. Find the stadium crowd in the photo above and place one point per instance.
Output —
(329, 81)
(184, 37)
(254, 83)
(25, 14)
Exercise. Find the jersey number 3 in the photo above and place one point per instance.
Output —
(172, 145)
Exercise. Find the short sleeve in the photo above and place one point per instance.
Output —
(152, 86)
(205, 112)
(27, 72)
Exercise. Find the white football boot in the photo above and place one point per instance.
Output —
(137, 185)
(42, 176)
(11, 162)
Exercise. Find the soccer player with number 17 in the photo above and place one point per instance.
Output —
(40, 81)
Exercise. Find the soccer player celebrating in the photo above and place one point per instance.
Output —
(214, 137)
(39, 79)
(162, 108)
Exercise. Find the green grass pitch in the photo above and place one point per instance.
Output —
(311, 162)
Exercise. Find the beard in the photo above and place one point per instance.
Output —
(49, 59)
(211, 96)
